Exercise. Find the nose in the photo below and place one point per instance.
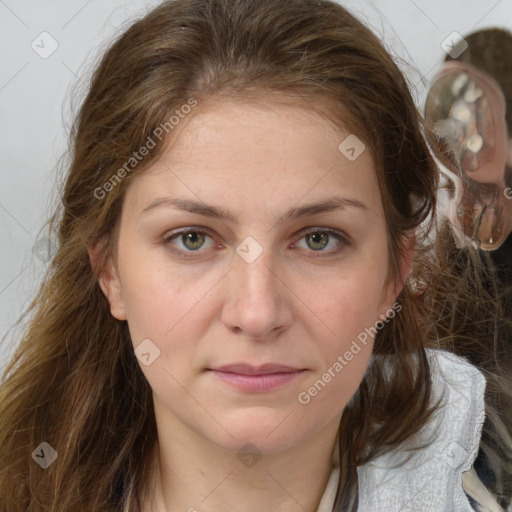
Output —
(258, 300)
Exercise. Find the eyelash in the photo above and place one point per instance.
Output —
(167, 241)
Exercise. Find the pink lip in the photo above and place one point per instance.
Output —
(256, 379)
(264, 369)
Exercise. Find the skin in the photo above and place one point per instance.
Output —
(295, 304)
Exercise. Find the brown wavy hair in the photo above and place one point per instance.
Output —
(74, 381)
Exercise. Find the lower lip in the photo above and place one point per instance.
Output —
(257, 383)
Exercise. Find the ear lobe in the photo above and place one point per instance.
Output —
(109, 283)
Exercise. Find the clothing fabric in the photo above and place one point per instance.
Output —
(431, 480)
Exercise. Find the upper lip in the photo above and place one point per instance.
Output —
(264, 369)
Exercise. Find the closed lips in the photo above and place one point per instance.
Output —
(266, 369)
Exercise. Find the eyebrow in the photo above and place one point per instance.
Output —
(200, 208)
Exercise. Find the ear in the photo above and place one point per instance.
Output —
(406, 260)
(394, 286)
(109, 283)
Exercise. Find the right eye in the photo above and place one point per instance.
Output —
(188, 241)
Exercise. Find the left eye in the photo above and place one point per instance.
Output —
(319, 240)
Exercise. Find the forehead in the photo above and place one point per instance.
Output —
(252, 153)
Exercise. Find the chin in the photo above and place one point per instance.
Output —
(269, 431)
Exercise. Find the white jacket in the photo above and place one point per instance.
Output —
(431, 481)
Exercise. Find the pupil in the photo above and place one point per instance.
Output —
(320, 239)
(193, 240)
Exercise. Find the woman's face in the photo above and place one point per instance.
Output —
(254, 240)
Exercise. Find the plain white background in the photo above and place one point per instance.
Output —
(36, 88)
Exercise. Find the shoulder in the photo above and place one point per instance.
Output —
(425, 474)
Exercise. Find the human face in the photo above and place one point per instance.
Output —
(212, 299)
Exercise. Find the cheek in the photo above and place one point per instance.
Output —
(153, 283)
(349, 304)
(344, 347)
(349, 310)
(161, 303)
(174, 318)
(343, 361)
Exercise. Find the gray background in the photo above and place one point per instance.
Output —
(36, 93)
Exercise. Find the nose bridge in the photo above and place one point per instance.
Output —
(254, 268)
(257, 304)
